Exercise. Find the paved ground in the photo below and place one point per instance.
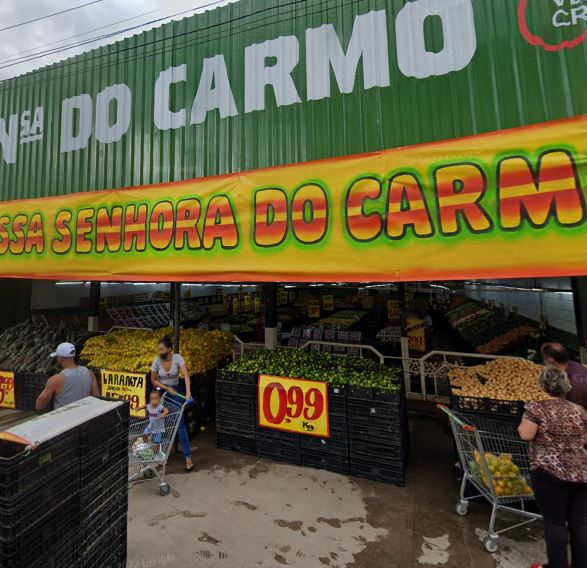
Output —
(242, 512)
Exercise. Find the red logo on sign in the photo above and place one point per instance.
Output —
(560, 18)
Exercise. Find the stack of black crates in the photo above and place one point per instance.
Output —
(64, 504)
(368, 430)
(236, 412)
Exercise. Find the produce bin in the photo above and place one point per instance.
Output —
(368, 430)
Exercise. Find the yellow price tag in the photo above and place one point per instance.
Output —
(294, 405)
(126, 386)
(7, 390)
(328, 303)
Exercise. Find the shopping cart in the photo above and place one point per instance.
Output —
(148, 455)
(495, 462)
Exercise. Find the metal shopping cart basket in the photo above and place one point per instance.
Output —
(495, 463)
(147, 454)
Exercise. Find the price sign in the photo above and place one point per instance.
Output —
(392, 309)
(126, 386)
(282, 297)
(257, 304)
(248, 303)
(7, 390)
(294, 405)
(235, 306)
(328, 303)
(313, 309)
(416, 334)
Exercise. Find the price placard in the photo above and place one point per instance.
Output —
(126, 386)
(328, 303)
(7, 390)
(257, 304)
(235, 305)
(314, 309)
(393, 309)
(282, 297)
(248, 302)
(294, 405)
(416, 334)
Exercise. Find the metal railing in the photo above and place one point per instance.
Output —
(412, 366)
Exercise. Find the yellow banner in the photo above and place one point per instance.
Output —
(7, 390)
(126, 386)
(294, 405)
(498, 205)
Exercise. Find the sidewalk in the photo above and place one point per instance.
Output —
(237, 511)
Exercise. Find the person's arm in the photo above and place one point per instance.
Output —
(95, 390)
(157, 384)
(188, 381)
(48, 393)
(164, 412)
(527, 430)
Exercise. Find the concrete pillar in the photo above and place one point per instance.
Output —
(94, 315)
(270, 291)
(579, 285)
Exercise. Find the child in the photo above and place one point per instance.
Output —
(156, 413)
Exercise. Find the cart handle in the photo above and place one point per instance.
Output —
(453, 416)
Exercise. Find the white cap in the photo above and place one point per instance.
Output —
(66, 350)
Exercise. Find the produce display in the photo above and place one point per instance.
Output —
(487, 329)
(319, 366)
(342, 319)
(505, 475)
(26, 347)
(501, 379)
(507, 340)
(133, 350)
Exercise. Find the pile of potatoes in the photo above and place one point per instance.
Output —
(501, 379)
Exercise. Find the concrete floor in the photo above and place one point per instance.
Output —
(237, 511)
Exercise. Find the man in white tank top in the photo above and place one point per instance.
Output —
(72, 384)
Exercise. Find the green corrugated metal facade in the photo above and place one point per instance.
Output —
(507, 83)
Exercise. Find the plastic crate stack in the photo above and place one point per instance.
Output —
(236, 413)
(330, 453)
(368, 431)
(378, 435)
(104, 495)
(64, 504)
(28, 386)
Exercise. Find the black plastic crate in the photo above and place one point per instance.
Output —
(24, 471)
(273, 434)
(104, 430)
(112, 512)
(391, 452)
(236, 443)
(330, 462)
(109, 557)
(247, 408)
(377, 471)
(106, 546)
(338, 424)
(104, 485)
(498, 408)
(18, 514)
(48, 542)
(333, 445)
(232, 389)
(374, 409)
(368, 393)
(245, 378)
(28, 387)
(383, 431)
(289, 452)
(234, 425)
(103, 458)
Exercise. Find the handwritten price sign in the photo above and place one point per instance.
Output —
(7, 390)
(294, 405)
(126, 386)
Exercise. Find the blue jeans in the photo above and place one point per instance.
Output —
(182, 431)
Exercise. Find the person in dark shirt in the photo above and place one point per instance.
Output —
(555, 355)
